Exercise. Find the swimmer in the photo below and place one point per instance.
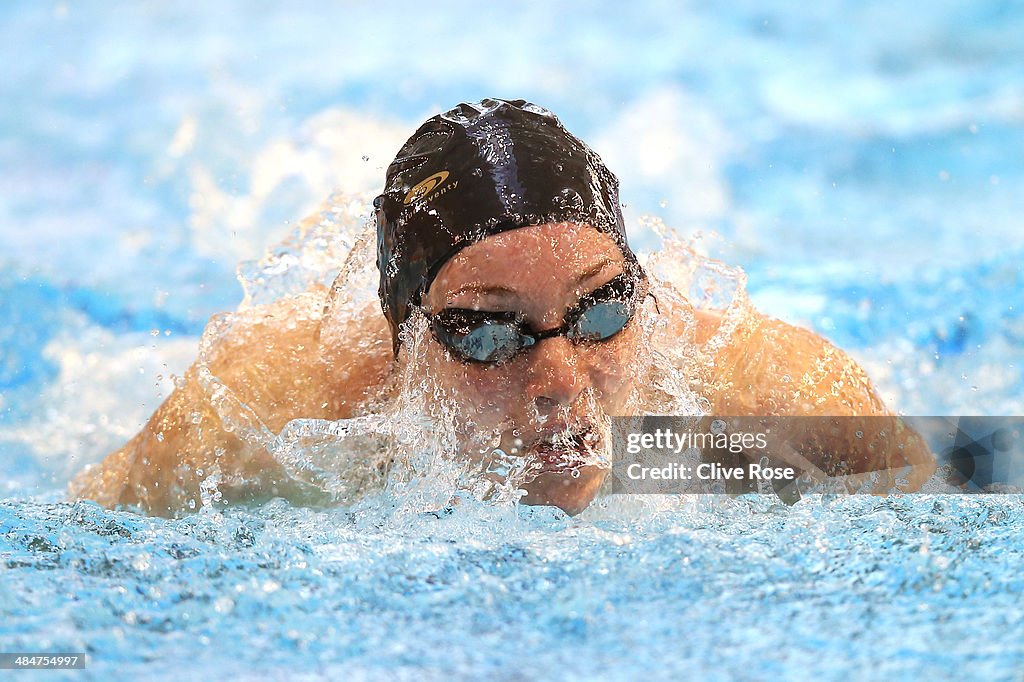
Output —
(503, 233)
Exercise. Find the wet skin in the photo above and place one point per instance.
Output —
(275, 360)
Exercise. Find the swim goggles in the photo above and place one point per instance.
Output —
(494, 337)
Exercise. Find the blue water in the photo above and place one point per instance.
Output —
(862, 162)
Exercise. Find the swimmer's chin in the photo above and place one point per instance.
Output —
(560, 489)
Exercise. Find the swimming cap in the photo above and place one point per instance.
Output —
(475, 171)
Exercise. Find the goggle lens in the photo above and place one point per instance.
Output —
(488, 342)
(601, 321)
(494, 337)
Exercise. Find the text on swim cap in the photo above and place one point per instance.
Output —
(424, 187)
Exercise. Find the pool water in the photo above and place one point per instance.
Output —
(861, 162)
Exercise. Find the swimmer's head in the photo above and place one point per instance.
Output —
(478, 170)
(495, 208)
(550, 400)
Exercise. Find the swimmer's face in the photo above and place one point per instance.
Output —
(556, 386)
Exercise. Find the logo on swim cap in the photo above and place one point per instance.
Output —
(424, 187)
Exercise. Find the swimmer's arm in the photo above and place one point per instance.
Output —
(777, 369)
(272, 362)
(161, 469)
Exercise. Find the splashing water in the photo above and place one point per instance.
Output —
(410, 442)
(408, 438)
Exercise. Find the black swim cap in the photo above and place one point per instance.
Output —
(474, 171)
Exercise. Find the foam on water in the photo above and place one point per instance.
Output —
(485, 591)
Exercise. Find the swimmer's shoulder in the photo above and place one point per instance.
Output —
(278, 359)
(772, 367)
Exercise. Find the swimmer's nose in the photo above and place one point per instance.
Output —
(555, 375)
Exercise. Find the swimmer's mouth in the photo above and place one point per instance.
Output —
(564, 451)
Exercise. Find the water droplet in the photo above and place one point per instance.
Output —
(224, 605)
